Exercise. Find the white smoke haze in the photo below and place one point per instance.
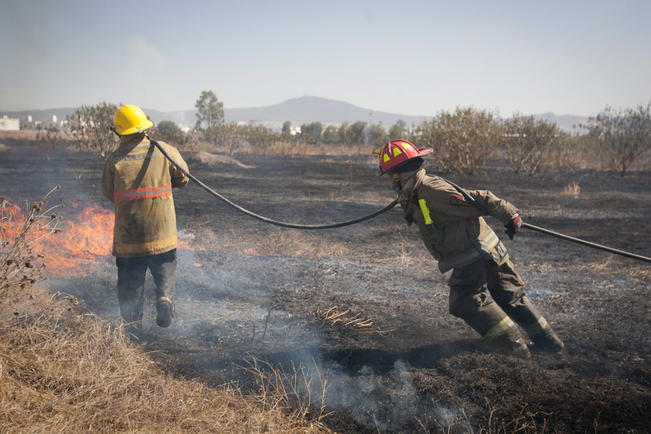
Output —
(228, 307)
(242, 311)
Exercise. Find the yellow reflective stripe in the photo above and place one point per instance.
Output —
(386, 157)
(500, 328)
(490, 242)
(396, 152)
(543, 323)
(425, 210)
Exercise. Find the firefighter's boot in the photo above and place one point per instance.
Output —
(512, 345)
(497, 328)
(536, 326)
(547, 341)
(165, 312)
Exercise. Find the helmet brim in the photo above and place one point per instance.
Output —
(421, 152)
(139, 129)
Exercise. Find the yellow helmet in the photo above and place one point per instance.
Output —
(130, 119)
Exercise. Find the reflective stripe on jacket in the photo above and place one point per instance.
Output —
(138, 179)
(452, 229)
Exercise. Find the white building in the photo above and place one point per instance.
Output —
(9, 124)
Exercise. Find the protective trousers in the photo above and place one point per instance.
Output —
(131, 282)
(495, 321)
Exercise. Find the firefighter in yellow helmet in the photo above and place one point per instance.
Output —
(456, 234)
(138, 179)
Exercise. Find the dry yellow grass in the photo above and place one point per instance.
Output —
(68, 371)
(572, 189)
(345, 319)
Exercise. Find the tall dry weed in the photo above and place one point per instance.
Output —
(302, 391)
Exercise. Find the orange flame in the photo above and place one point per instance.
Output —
(11, 222)
(256, 253)
(83, 241)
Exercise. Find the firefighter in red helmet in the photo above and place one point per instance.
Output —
(455, 233)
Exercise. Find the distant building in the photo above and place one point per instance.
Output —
(54, 119)
(9, 124)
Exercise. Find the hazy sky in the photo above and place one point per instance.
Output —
(409, 57)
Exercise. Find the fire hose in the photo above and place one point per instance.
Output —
(553, 233)
(469, 198)
(266, 219)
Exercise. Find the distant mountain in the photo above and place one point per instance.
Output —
(314, 109)
(296, 110)
(564, 122)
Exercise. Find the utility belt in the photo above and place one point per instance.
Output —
(489, 248)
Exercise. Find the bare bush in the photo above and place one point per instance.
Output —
(624, 137)
(528, 143)
(462, 140)
(169, 132)
(20, 233)
(236, 138)
(91, 126)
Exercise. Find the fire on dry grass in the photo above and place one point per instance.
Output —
(20, 237)
(63, 369)
(73, 246)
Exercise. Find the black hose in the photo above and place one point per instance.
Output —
(266, 219)
(586, 243)
(552, 233)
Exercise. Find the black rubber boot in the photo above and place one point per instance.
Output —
(512, 346)
(547, 342)
(165, 312)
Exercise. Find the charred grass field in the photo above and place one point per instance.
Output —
(349, 328)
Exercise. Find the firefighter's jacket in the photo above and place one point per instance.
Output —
(452, 228)
(138, 179)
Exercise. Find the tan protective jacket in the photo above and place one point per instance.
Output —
(452, 228)
(138, 179)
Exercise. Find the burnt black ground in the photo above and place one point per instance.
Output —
(431, 372)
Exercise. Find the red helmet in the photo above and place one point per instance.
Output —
(397, 152)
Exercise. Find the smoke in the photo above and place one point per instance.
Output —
(387, 402)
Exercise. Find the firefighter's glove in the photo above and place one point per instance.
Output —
(513, 226)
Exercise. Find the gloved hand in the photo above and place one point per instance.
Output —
(513, 226)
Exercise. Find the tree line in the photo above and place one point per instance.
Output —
(462, 139)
